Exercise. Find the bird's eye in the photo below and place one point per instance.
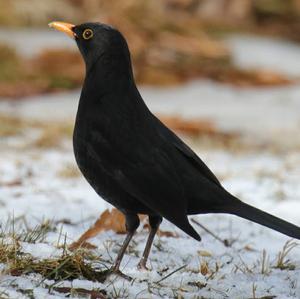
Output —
(87, 34)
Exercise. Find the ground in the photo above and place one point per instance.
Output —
(43, 187)
(45, 204)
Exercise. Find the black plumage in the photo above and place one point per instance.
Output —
(134, 161)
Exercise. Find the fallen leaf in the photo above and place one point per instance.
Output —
(204, 253)
(190, 126)
(167, 234)
(110, 220)
(14, 183)
(84, 244)
(204, 268)
(163, 233)
(249, 248)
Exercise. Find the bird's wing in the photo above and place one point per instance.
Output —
(172, 138)
(152, 179)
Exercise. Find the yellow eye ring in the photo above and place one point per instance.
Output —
(87, 34)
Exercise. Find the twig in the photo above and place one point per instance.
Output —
(224, 242)
(176, 270)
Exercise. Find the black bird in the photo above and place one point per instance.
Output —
(134, 161)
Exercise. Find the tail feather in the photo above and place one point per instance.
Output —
(246, 211)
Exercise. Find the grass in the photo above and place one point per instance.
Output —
(282, 262)
(79, 264)
(18, 231)
(69, 266)
(69, 171)
(50, 134)
(83, 264)
(10, 63)
(265, 264)
(38, 233)
(11, 125)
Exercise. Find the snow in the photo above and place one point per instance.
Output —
(230, 108)
(255, 176)
(31, 41)
(253, 52)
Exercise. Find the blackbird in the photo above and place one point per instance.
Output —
(134, 161)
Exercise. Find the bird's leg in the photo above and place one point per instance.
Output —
(122, 251)
(132, 223)
(154, 222)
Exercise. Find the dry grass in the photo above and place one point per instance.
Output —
(283, 263)
(10, 126)
(67, 267)
(78, 264)
(81, 265)
(265, 264)
(48, 65)
(52, 135)
(69, 171)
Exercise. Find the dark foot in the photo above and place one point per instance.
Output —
(115, 271)
(121, 274)
(142, 265)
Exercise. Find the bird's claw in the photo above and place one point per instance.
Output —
(142, 266)
(115, 271)
(121, 274)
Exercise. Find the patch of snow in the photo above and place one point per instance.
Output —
(253, 52)
(254, 177)
(41, 250)
(29, 42)
(269, 113)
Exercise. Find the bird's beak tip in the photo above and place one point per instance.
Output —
(63, 27)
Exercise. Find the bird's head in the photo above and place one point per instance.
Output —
(99, 44)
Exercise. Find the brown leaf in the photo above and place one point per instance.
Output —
(245, 78)
(14, 183)
(109, 220)
(166, 233)
(84, 244)
(203, 47)
(204, 268)
(21, 89)
(51, 61)
(189, 126)
(249, 248)
(163, 233)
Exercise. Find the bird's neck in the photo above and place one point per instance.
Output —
(98, 84)
(109, 73)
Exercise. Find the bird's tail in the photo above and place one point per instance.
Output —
(246, 211)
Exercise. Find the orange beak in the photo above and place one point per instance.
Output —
(63, 27)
